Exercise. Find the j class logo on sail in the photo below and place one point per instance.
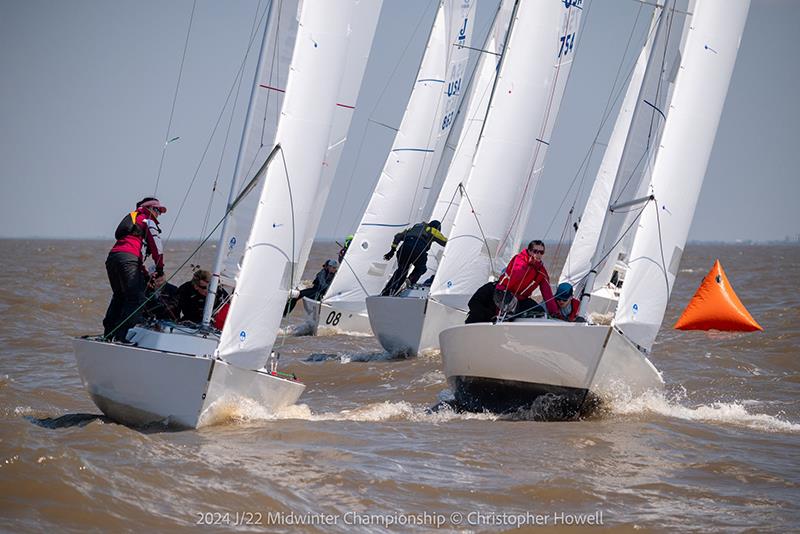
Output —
(573, 3)
(462, 33)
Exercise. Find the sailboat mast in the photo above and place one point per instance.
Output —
(599, 250)
(236, 181)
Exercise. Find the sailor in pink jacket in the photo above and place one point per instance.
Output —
(137, 236)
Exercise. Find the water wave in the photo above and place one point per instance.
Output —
(731, 413)
(230, 411)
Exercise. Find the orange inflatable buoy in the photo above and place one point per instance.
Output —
(715, 306)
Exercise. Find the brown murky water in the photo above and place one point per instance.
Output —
(361, 452)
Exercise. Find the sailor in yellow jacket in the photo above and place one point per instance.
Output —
(416, 241)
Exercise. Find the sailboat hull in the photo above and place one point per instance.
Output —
(508, 366)
(139, 386)
(410, 325)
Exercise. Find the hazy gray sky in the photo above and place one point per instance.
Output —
(87, 88)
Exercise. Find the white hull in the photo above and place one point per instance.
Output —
(410, 325)
(337, 320)
(139, 386)
(507, 366)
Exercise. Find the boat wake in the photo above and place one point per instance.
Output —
(247, 412)
(729, 413)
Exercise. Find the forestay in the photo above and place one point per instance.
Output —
(401, 192)
(709, 55)
(512, 149)
(283, 219)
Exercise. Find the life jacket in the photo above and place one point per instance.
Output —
(128, 226)
(420, 236)
(576, 304)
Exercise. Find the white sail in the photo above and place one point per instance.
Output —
(579, 259)
(401, 192)
(258, 137)
(512, 149)
(634, 168)
(694, 112)
(473, 115)
(284, 218)
(360, 44)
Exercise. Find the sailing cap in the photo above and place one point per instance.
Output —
(332, 263)
(151, 202)
(564, 291)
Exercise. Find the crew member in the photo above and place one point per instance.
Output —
(416, 241)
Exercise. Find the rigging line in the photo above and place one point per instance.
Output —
(214, 130)
(582, 279)
(584, 165)
(478, 222)
(392, 128)
(253, 29)
(661, 247)
(452, 199)
(542, 128)
(605, 115)
(174, 99)
(481, 50)
(294, 230)
(375, 107)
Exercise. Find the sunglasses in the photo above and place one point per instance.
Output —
(537, 251)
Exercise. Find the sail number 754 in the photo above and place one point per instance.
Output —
(567, 42)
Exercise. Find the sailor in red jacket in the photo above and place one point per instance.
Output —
(526, 272)
(138, 236)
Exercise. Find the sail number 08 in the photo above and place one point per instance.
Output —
(333, 318)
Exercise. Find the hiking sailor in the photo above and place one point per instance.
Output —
(416, 240)
(318, 288)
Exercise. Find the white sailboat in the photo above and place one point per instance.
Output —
(401, 192)
(508, 162)
(177, 376)
(508, 366)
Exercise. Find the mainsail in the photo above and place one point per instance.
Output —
(512, 149)
(711, 44)
(401, 192)
(284, 220)
(473, 116)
